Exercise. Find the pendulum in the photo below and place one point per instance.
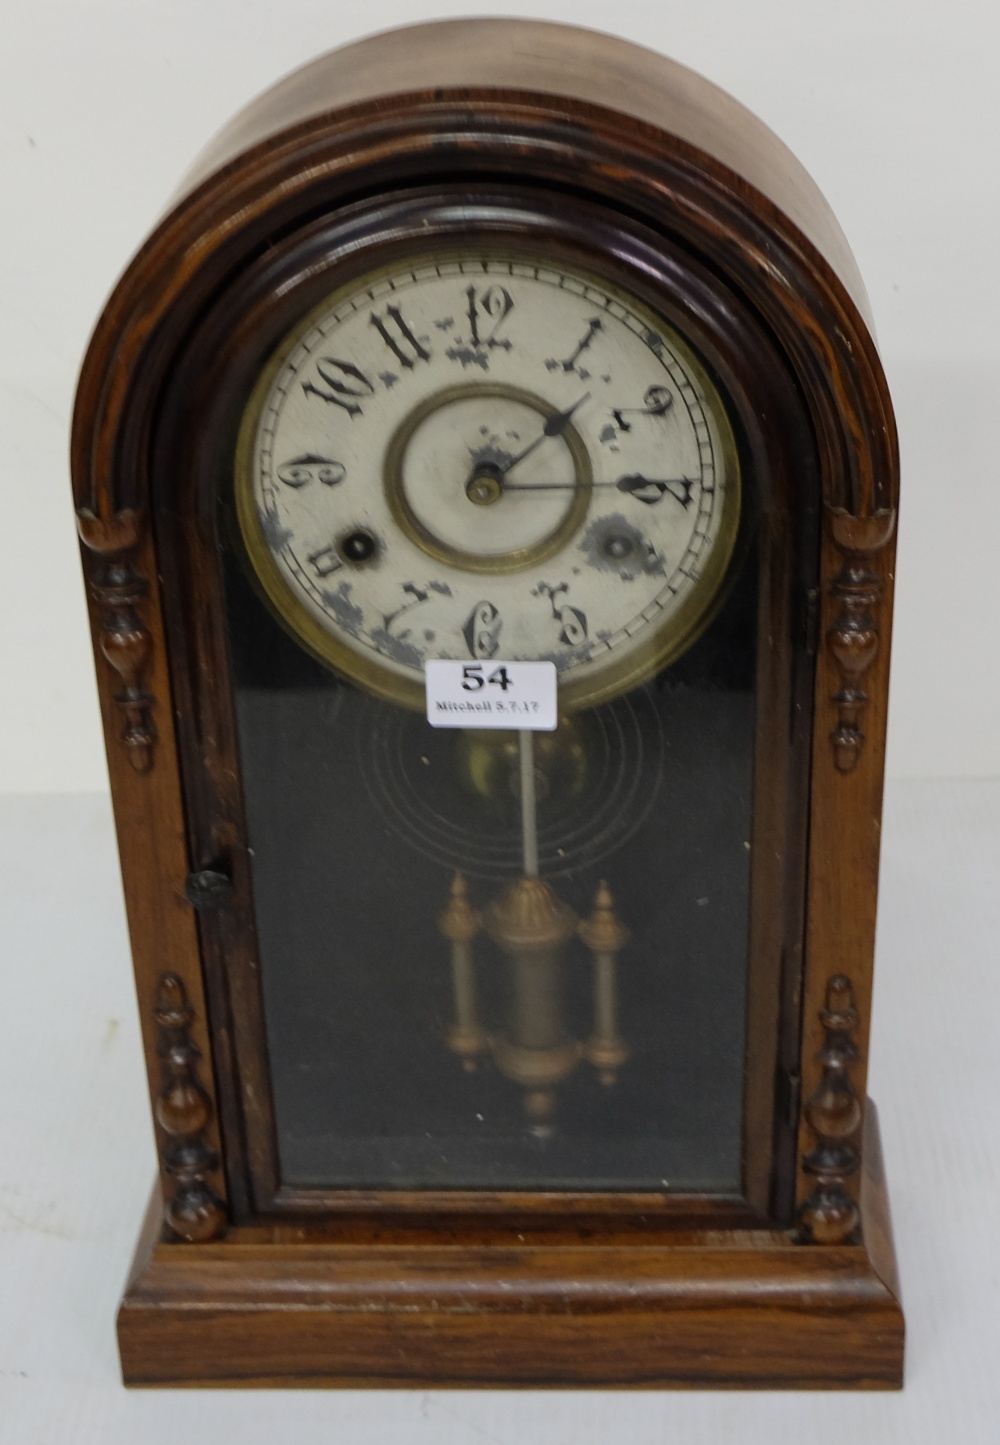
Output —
(605, 936)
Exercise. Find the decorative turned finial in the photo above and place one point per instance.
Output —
(530, 916)
(459, 922)
(603, 932)
(605, 935)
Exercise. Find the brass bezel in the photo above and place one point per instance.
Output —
(522, 557)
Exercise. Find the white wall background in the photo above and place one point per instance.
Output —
(893, 107)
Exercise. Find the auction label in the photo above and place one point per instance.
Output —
(492, 694)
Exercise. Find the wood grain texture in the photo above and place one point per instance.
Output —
(749, 1309)
(673, 177)
(845, 838)
(149, 818)
(525, 59)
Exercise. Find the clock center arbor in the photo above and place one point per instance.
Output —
(507, 1056)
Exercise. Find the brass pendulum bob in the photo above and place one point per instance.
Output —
(605, 936)
(460, 923)
(532, 926)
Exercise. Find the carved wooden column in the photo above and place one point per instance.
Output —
(122, 580)
(834, 1111)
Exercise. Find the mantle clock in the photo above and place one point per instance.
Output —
(486, 482)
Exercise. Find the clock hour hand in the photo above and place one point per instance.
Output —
(554, 427)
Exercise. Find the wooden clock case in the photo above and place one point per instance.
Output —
(609, 154)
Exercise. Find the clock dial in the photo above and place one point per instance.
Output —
(480, 456)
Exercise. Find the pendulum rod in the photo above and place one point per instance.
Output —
(529, 810)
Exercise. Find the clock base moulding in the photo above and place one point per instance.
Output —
(748, 1309)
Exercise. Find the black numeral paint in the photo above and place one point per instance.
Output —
(650, 491)
(400, 340)
(657, 402)
(326, 561)
(343, 384)
(594, 325)
(300, 471)
(482, 630)
(495, 304)
(572, 622)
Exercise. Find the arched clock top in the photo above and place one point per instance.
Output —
(516, 101)
(520, 58)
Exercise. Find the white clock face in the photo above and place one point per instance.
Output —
(477, 457)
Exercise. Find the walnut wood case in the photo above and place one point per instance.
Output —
(615, 159)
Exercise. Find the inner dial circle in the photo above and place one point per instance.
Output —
(483, 455)
(472, 478)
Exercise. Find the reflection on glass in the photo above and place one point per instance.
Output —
(456, 1000)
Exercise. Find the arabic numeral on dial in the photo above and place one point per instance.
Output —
(594, 326)
(415, 593)
(653, 490)
(482, 630)
(344, 385)
(496, 304)
(326, 561)
(395, 332)
(657, 402)
(572, 622)
(573, 629)
(300, 471)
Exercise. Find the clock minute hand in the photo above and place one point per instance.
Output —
(554, 427)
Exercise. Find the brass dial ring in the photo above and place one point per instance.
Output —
(484, 494)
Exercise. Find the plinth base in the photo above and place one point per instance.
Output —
(737, 1309)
